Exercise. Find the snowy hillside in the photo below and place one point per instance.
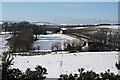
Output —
(57, 64)
(112, 27)
(44, 23)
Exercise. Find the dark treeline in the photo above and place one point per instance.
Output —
(86, 25)
(22, 41)
(23, 35)
(15, 28)
(105, 37)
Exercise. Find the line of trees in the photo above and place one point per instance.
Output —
(22, 41)
(23, 35)
(74, 47)
(108, 37)
(15, 28)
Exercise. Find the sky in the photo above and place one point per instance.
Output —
(59, 0)
(61, 12)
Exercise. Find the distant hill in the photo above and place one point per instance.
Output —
(9, 21)
(56, 24)
(44, 23)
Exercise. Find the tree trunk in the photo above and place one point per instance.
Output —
(35, 37)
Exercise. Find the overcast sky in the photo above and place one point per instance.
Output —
(62, 12)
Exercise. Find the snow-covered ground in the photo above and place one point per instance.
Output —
(3, 41)
(45, 42)
(57, 64)
(112, 27)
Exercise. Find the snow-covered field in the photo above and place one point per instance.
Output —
(45, 42)
(3, 41)
(57, 64)
(112, 27)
